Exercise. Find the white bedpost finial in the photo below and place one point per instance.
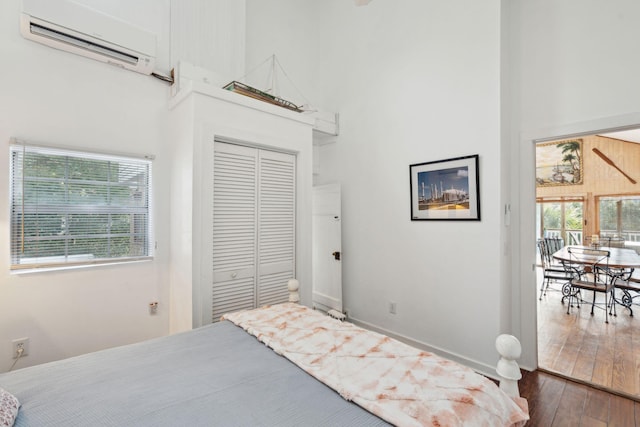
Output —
(294, 285)
(509, 349)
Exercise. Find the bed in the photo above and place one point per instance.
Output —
(281, 365)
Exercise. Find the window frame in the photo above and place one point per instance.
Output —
(618, 199)
(570, 236)
(19, 206)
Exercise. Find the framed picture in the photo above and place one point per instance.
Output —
(445, 189)
(559, 163)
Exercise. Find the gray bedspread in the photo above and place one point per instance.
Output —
(217, 375)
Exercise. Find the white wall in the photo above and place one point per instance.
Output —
(209, 34)
(573, 71)
(54, 97)
(413, 81)
(58, 98)
(576, 60)
(422, 80)
(181, 131)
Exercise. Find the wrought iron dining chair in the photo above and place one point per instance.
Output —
(591, 272)
(554, 244)
(551, 271)
(627, 280)
(612, 241)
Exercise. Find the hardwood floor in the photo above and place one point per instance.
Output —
(586, 348)
(554, 401)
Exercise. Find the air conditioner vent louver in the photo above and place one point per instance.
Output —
(65, 25)
(82, 44)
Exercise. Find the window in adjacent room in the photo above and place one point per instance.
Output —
(75, 208)
(560, 218)
(619, 216)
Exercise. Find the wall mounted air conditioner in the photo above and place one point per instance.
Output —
(76, 28)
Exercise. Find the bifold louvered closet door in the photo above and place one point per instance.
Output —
(253, 227)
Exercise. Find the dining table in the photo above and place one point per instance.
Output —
(622, 258)
(622, 261)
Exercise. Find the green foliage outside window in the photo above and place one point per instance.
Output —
(620, 216)
(552, 216)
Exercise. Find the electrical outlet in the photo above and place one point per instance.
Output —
(392, 307)
(153, 308)
(20, 343)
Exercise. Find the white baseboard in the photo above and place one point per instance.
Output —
(481, 368)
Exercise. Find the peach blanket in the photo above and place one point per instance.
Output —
(396, 382)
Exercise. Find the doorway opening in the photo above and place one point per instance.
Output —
(585, 196)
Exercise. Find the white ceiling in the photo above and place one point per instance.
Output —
(632, 135)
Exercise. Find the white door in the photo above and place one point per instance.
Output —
(327, 247)
(276, 226)
(253, 228)
(234, 216)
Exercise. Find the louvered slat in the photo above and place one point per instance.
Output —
(234, 229)
(232, 296)
(276, 236)
(273, 288)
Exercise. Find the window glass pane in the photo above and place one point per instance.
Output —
(121, 223)
(551, 218)
(573, 215)
(125, 245)
(630, 217)
(43, 225)
(86, 224)
(608, 216)
(44, 192)
(573, 222)
(70, 207)
(95, 247)
(561, 219)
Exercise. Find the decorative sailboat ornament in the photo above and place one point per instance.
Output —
(247, 90)
(267, 95)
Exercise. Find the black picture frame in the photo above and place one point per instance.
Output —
(446, 189)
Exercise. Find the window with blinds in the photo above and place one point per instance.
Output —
(74, 208)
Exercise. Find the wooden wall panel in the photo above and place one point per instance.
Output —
(600, 178)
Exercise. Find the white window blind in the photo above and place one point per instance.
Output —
(74, 208)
